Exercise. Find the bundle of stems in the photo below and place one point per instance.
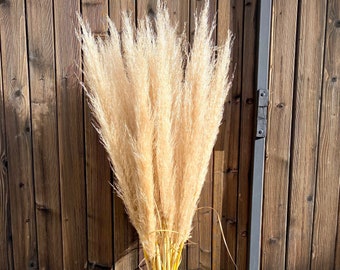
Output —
(157, 107)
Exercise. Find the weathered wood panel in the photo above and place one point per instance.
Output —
(216, 239)
(337, 248)
(180, 14)
(71, 135)
(220, 151)
(200, 245)
(328, 173)
(279, 134)
(44, 132)
(99, 208)
(199, 254)
(18, 133)
(6, 255)
(246, 131)
(54, 172)
(231, 18)
(145, 8)
(307, 93)
(125, 237)
(119, 6)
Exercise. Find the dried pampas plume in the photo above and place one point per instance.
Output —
(157, 109)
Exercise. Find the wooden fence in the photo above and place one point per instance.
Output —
(57, 209)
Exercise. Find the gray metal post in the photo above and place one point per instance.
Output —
(261, 126)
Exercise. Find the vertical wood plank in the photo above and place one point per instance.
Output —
(179, 14)
(309, 73)
(337, 248)
(119, 6)
(221, 149)
(129, 258)
(278, 136)
(18, 133)
(193, 247)
(246, 130)
(230, 16)
(195, 7)
(95, 13)
(146, 7)
(178, 11)
(200, 251)
(126, 250)
(126, 246)
(218, 178)
(44, 132)
(99, 191)
(71, 135)
(6, 251)
(327, 188)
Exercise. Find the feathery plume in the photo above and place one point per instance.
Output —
(157, 109)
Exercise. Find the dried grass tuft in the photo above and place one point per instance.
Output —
(157, 109)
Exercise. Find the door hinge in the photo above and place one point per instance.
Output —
(262, 105)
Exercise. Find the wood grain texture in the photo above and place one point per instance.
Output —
(119, 6)
(126, 246)
(218, 181)
(231, 17)
(18, 133)
(44, 131)
(327, 188)
(99, 208)
(246, 130)
(195, 7)
(128, 259)
(71, 135)
(223, 24)
(179, 14)
(309, 56)
(200, 246)
(337, 247)
(146, 7)
(6, 249)
(276, 180)
(55, 201)
(125, 237)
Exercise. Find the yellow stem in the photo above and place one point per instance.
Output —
(167, 257)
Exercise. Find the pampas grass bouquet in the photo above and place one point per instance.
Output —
(157, 106)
